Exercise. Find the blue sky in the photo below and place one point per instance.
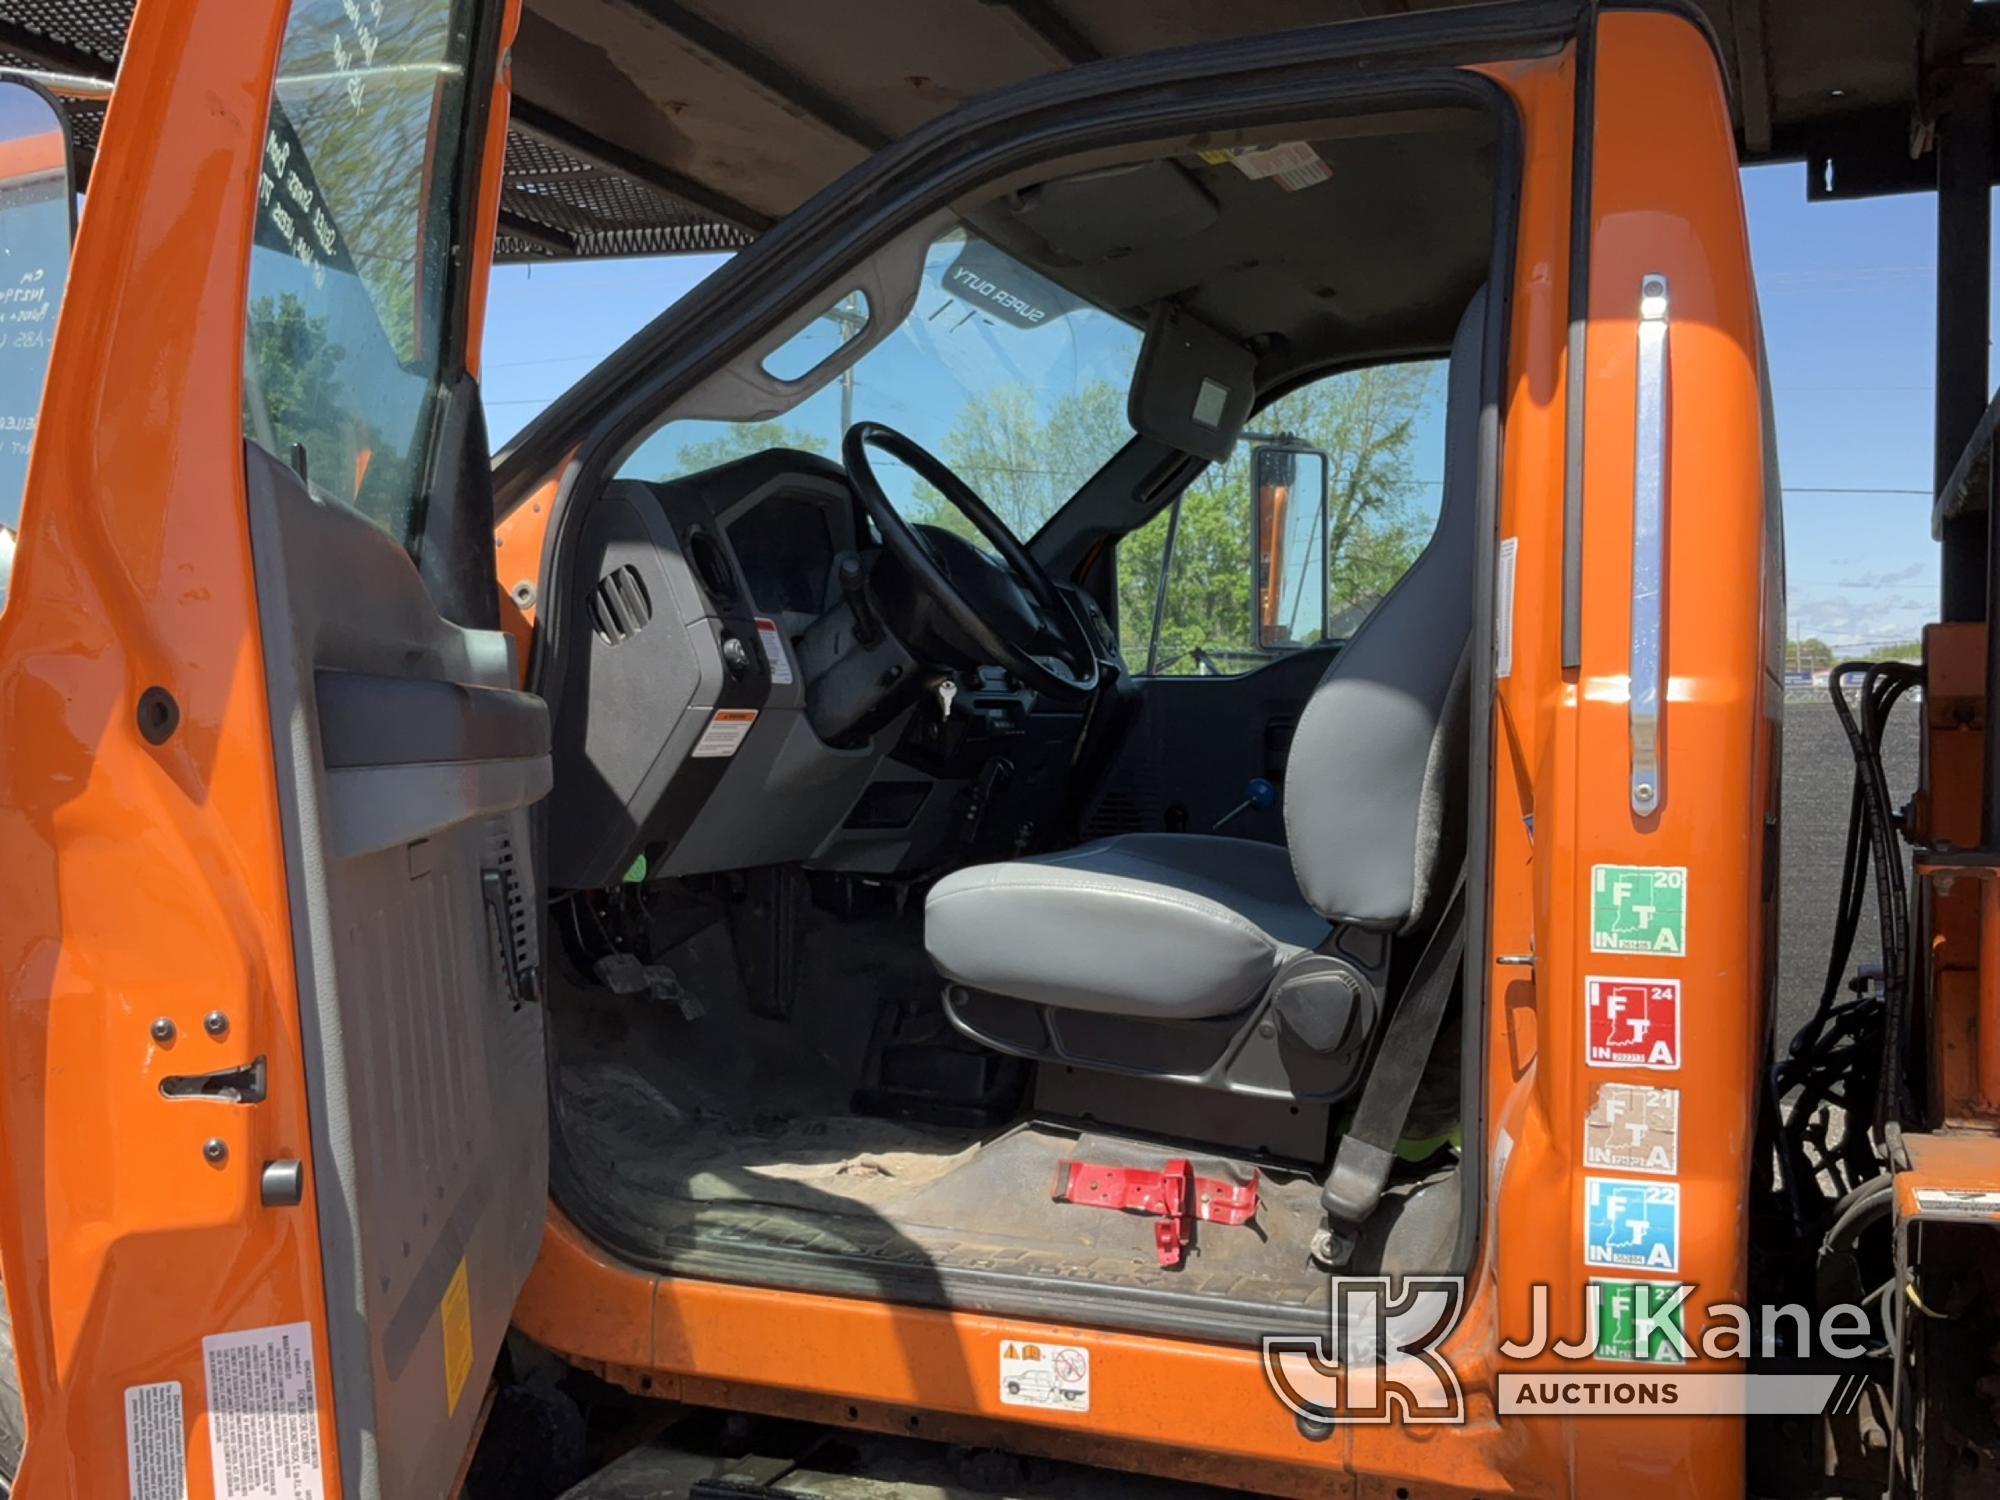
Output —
(1848, 299)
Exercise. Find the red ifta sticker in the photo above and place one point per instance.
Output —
(1632, 1023)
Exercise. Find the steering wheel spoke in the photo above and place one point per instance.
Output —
(1012, 637)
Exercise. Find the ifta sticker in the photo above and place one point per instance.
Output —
(1637, 1321)
(1633, 1127)
(1634, 1226)
(1632, 1023)
(1638, 909)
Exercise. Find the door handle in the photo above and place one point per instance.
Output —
(1649, 505)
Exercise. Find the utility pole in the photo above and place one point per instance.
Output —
(850, 316)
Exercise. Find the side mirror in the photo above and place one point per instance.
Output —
(1290, 480)
(37, 220)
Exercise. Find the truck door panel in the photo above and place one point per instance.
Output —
(406, 763)
(268, 937)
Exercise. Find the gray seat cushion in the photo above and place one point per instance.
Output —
(1169, 926)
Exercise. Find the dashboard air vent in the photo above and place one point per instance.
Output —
(711, 566)
(620, 606)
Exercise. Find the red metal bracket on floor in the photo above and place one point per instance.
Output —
(1174, 1194)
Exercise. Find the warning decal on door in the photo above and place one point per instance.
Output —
(726, 731)
(1053, 1377)
(263, 1414)
(155, 1441)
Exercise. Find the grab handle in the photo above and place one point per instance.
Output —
(1649, 504)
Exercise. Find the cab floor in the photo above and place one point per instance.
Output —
(879, 1190)
(732, 1135)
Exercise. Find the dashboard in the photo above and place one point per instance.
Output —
(784, 546)
(688, 627)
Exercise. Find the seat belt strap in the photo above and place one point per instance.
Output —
(1368, 1150)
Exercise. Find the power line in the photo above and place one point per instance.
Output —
(1840, 489)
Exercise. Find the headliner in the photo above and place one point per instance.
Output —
(1379, 258)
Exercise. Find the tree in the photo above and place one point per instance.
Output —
(298, 394)
(1024, 466)
(1365, 422)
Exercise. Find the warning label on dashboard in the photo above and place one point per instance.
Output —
(263, 1414)
(155, 1441)
(726, 731)
(773, 642)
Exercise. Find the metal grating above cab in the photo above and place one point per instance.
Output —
(556, 202)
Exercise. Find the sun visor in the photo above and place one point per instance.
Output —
(1192, 388)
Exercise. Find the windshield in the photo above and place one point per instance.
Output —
(1015, 383)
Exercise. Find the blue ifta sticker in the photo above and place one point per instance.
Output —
(1635, 1226)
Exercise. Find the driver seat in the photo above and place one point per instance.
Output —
(1170, 955)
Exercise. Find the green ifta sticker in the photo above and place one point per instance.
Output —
(1638, 909)
(1640, 1321)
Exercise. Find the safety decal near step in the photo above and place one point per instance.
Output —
(1632, 1023)
(727, 729)
(263, 1414)
(155, 1441)
(1053, 1377)
(1639, 909)
(1632, 1226)
(1633, 1127)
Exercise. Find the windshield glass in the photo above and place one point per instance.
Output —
(1015, 383)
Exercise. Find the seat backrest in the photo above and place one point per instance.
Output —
(1375, 781)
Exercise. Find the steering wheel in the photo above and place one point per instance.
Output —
(1045, 617)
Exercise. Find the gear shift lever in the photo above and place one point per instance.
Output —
(854, 588)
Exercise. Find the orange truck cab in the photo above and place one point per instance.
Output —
(776, 897)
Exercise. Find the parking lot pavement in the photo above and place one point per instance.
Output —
(1819, 777)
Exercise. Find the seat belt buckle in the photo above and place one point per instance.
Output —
(1174, 1194)
(1354, 1187)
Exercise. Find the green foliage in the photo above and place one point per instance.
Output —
(1023, 467)
(367, 150)
(1365, 423)
(297, 370)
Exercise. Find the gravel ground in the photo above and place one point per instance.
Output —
(1819, 777)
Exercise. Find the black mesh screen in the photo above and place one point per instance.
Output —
(553, 204)
(68, 34)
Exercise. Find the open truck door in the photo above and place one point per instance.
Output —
(274, 1131)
